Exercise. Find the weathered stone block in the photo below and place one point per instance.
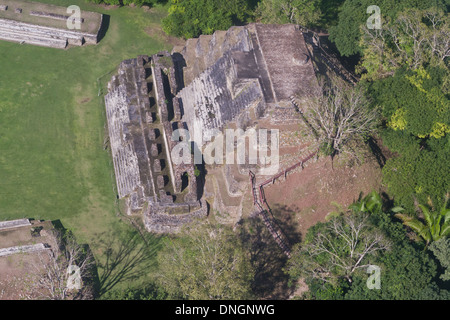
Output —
(160, 182)
(154, 150)
(149, 118)
(152, 134)
(157, 165)
(164, 197)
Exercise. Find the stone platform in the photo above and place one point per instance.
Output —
(46, 25)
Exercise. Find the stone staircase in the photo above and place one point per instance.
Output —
(216, 96)
(127, 107)
(201, 53)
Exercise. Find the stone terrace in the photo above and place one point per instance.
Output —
(142, 116)
(127, 109)
(287, 59)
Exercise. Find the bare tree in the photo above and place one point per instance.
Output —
(65, 270)
(415, 38)
(438, 35)
(340, 114)
(344, 246)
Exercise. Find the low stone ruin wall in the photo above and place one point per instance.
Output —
(165, 221)
(23, 249)
(14, 224)
(43, 36)
(54, 16)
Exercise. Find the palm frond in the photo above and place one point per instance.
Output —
(427, 214)
(416, 225)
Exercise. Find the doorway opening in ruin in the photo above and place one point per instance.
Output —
(184, 181)
(169, 95)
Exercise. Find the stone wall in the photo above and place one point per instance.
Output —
(127, 106)
(171, 115)
(14, 224)
(23, 249)
(166, 220)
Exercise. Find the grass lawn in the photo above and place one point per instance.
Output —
(52, 126)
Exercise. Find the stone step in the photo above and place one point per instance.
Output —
(201, 53)
(21, 28)
(73, 37)
(14, 224)
(35, 40)
(23, 249)
(215, 45)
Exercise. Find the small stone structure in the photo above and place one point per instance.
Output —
(21, 236)
(46, 25)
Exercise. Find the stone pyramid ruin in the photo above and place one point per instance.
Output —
(229, 77)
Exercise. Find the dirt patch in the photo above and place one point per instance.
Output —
(19, 272)
(18, 276)
(108, 6)
(306, 197)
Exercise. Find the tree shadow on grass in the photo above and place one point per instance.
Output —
(124, 258)
(268, 260)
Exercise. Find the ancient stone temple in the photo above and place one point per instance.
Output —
(229, 77)
(47, 25)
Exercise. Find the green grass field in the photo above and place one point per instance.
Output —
(52, 126)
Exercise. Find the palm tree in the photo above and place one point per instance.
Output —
(370, 203)
(434, 225)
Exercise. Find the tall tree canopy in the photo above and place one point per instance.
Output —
(334, 257)
(207, 263)
(190, 18)
(302, 12)
(346, 34)
(416, 113)
(416, 38)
